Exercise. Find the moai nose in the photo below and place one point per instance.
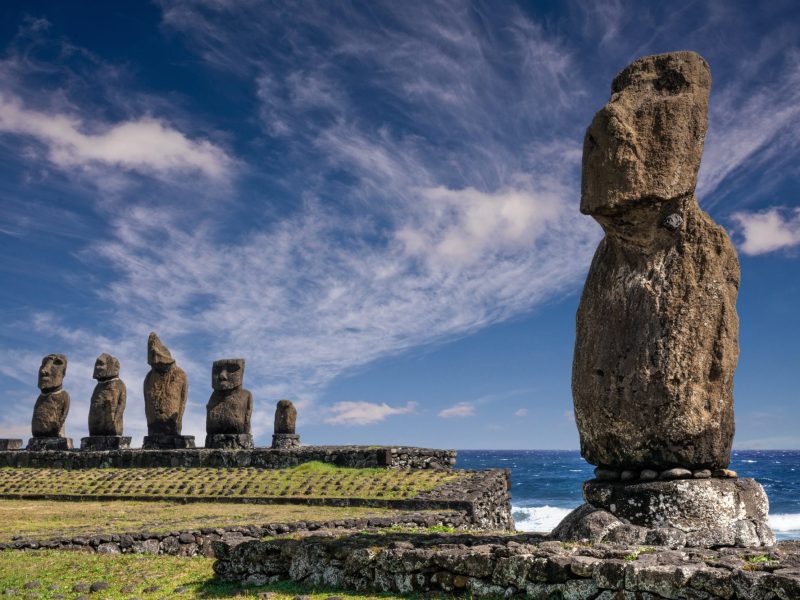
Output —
(223, 375)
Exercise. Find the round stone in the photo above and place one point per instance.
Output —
(676, 473)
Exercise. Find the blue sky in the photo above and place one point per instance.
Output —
(376, 204)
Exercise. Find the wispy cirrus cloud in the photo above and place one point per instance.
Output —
(460, 410)
(365, 413)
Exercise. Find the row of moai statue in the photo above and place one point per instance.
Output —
(166, 387)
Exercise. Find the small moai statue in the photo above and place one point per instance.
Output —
(106, 408)
(166, 388)
(52, 406)
(229, 408)
(285, 422)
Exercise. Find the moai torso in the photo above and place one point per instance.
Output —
(108, 399)
(230, 406)
(657, 331)
(285, 417)
(52, 405)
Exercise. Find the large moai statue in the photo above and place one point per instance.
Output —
(106, 407)
(657, 331)
(229, 408)
(284, 435)
(165, 391)
(52, 406)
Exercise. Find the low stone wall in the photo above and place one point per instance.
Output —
(514, 566)
(199, 541)
(394, 457)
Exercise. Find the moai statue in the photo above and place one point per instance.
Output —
(285, 422)
(165, 391)
(657, 331)
(106, 408)
(229, 407)
(52, 406)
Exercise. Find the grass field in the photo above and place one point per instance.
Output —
(309, 480)
(47, 519)
(52, 574)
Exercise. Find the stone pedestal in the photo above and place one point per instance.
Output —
(684, 512)
(285, 440)
(42, 444)
(167, 442)
(10, 444)
(230, 441)
(105, 442)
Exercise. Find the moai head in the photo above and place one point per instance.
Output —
(285, 417)
(227, 374)
(644, 146)
(158, 355)
(52, 371)
(106, 367)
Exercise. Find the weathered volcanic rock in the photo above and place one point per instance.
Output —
(165, 390)
(657, 330)
(688, 512)
(285, 417)
(108, 399)
(230, 405)
(52, 405)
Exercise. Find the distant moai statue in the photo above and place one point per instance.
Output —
(285, 423)
(106, 407)
(52, 406)
(656, 340)
(229, 408)
(166, 389)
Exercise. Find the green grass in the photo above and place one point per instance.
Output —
(48, 519)
(57, 573)
(309, 480)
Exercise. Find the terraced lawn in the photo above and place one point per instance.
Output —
(48, 519)
(309, 480)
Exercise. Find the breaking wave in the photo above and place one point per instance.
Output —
(538, 518)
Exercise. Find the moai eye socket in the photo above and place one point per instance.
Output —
(232, 368)
(58, 362)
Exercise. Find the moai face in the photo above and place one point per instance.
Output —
(227, 374)
(106, 367)
(645, 144)
(158, 355)
(52, 371)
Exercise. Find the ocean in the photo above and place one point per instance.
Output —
(546, 484)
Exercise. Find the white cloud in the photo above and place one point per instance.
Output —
(146, 145)
(365, 413)
(769, 230)
(521, 412)
(462, 409)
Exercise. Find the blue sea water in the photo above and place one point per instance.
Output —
(546, 484)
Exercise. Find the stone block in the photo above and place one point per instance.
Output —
(285, 440)
(105, 442)
(165, 441)
(10, 444)
(230, 441)
(43, 444)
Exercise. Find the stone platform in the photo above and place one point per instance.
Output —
(49, 444)
(285, 440)
(165, 442)
(230, 441)
(706, 513)
(105, 442)
(10, 444)
(393, 457)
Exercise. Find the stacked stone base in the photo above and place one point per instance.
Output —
(105, 442)
(163, 441)
(10, 444)
(285, 440)
(230, 441)
(705, 513)
(42, 444)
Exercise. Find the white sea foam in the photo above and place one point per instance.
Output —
(538, 518)
(785, 523)
(544, 518)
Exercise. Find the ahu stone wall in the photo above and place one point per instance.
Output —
(393, 457)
